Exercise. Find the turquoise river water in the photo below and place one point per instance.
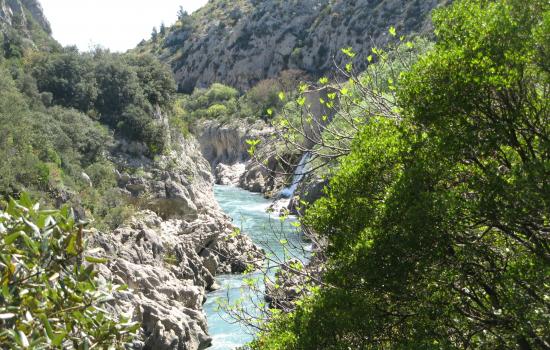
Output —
(248, 211)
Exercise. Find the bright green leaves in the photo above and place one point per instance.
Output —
(392, 31)
(95, 260)
(253, 144)
(49, 298)
(349, 52)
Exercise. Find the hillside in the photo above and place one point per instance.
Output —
(23, 26)
(407, 195)
(239, 43)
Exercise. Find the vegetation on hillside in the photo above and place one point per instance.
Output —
(121, 91)
(62, 112)
(437, 222)
(224, 103)
(62, 115)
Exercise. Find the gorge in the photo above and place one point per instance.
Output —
(279, 175)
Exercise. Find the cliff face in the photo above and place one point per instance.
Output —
(241, 42)
(171, 250)
(23, 14)
(225, 147)
(23, 26)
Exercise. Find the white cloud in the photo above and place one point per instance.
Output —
(115, 24)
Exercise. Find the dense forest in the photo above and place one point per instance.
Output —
(434, 220)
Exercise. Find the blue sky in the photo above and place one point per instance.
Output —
(114, 24)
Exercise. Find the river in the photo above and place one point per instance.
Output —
(248, 211)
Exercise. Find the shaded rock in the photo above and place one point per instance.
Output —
(264, 178)
(308, 191)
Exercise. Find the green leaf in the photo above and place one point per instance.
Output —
(95, 260)
(9, 239)
(392, 31)
(349, 52)
(47, 326)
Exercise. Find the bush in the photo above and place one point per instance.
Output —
(51, 293)
(122, 91)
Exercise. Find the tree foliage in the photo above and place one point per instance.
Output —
(438, 223)
(122, 91)
(56, 111)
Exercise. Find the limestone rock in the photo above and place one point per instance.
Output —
(226, 149)
(169, 265)
(308, 191)
(170, 251)
(264, 178)
(241, 42)
(15, 13)
(226, 144)
(229, 174)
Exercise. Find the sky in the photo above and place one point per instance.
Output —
(114, 24)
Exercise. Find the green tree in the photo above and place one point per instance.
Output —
(438, 223)
(68, 77)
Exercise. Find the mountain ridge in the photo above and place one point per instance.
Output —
(240, 43)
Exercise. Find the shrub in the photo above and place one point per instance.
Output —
(51, 293)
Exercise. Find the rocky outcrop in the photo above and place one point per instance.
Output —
(170, 252)
(227, 143)
(267, 177)
(229, 175)
(308, 191)
(37, 13)
(20, 14)
(241, 42)
(174, 185)
(169, 265)
(226, 149)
